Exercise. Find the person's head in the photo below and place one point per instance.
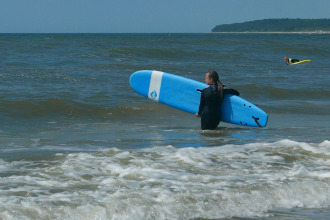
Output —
(211, 77)
(286, 59)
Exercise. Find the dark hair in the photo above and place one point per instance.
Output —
(215, 77)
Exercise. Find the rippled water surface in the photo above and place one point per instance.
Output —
(76, 142)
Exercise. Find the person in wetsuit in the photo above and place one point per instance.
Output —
(211, 100)
(290, 60)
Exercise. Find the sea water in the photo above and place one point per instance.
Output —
(76, 142)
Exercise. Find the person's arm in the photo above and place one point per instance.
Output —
(227, 90)
(201, 106)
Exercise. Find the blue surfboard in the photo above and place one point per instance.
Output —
(184, 94)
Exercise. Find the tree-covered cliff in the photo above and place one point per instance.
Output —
(277, 25)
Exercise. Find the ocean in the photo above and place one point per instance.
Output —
(76, 141)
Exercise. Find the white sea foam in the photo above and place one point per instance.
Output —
(168, 183)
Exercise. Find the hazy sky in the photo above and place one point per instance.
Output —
(146, 16)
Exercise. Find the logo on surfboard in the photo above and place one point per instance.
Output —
(153, 94)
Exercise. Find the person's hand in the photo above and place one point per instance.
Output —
(197, 115)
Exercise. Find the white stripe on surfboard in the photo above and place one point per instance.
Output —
(155, 83)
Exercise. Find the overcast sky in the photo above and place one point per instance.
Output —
(146, 16)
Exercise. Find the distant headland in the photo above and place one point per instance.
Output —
(284, 25)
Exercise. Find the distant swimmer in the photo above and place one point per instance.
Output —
(290, 60)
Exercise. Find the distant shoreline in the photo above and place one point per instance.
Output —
(282, 25)
(273, 32)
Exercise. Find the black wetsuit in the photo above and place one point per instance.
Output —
(291, 61)
(209, 107)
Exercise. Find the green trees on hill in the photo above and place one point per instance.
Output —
(276, 25)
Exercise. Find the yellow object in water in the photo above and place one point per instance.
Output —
(302, 61)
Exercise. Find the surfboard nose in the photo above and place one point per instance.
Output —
(140, 81)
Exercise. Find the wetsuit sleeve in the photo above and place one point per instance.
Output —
(201, 104)
(227, 90)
